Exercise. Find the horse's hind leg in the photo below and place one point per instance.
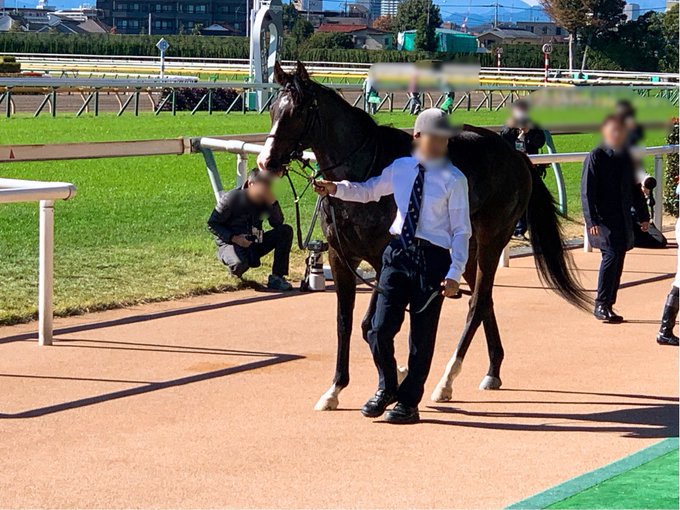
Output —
(345, 289)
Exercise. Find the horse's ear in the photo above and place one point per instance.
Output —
(280, 76)
(301, 71)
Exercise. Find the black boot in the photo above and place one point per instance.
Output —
(670, 313)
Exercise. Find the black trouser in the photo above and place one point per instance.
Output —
(609, 278)
(522, 225)
(409, 277)
(239, 260)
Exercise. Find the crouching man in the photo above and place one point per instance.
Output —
(236, 223)
(422, 264)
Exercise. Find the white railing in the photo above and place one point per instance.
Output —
(243, 149)
(16, 190)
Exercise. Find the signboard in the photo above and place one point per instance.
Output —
(163, 46)
(547, 48)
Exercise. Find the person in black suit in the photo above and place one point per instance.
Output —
(608, 192)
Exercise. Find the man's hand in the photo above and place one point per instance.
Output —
(450, 288)
(241, 240)
(324, 188)
(594, 230)
(644, 226)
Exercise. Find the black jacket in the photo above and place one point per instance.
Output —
(236, 214)
(534, 139)
(608, 192)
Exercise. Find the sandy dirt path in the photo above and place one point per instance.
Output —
(207, 402)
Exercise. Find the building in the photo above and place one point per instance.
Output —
(632, 11)
(389, 7)
(363, 36)
(83, 20)
(308, 5)
(165, 17)
(670, 4)
(547, 30)
(499, 36)
(448, 41)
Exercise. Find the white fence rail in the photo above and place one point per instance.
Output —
(16, 190)
(243, 149)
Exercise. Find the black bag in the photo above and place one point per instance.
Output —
(653, 238)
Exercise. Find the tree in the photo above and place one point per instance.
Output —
(302, 30)
(289, 15)
(196, 29)
(409, 12)
(385, 23)
(586, 18)
(425, 35)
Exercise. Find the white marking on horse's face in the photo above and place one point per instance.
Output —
(264, 156)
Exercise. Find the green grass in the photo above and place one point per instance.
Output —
(136, 230)
(653, 485)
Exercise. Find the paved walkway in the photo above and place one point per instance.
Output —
(207, 402)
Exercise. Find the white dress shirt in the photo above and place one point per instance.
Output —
(444, 213)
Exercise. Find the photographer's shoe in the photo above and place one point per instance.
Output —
(276, 282)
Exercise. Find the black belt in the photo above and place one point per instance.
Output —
(419, 242)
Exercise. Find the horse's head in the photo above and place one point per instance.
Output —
(293, 114)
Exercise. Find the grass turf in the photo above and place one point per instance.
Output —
(653, 485)
(136, 230)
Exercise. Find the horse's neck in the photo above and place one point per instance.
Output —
(346, 141)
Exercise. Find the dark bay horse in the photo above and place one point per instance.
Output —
(348, 144)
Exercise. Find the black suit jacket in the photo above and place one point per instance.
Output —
(609, 191)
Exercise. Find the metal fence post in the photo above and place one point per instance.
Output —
(658, 191)
(504, 261)
(241, 168)
(46, 267)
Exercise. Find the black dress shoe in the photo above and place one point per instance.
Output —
(606, 314)
(377, 404)
(663, 339)
(402, 414)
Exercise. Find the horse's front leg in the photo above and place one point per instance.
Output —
(345, 289)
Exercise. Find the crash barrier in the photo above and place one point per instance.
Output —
(86, 65)
(243, 149)
(16, 190)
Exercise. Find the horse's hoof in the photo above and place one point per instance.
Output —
(327, 403)
(442, 393)
(490, 383)
(402, 372)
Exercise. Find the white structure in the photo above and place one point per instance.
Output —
(632, 11)
(389, 7)
(266, 40)
(16, 190)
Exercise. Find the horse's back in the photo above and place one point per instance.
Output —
(497, 174)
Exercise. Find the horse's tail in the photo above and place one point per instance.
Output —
(555, 265)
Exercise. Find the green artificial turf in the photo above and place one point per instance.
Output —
(136, 230)
(653, 485)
